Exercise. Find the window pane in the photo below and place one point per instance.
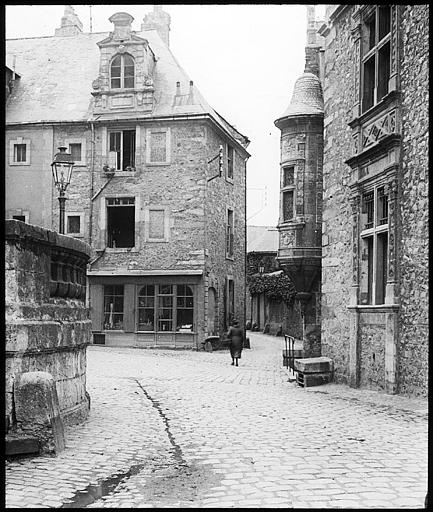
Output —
(369, 81)
(129, 82)
(128, 149)
(287, 205)
(75, 150)
(382, 207)
(381, 269)
(371, 32)
(369, 210)
(229, 162)
(115, 141)
(115, 83)
(120, 224)
(73, 224)
(383, 71)
(156, 223)
(158, 151)
(19, 217)
(19, 152)
(113, 307)
(288, 176)
(384, 21)
(165, 289)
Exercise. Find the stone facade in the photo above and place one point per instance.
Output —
(47, 324)
(375, 179)
(149, 162)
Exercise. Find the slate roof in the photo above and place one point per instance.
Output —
(57, 75)
(307, 98)
(262, 239)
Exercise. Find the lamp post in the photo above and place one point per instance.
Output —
(62, 171)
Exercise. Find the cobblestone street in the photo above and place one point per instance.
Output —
(187, 429)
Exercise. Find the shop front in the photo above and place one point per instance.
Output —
(147, 309)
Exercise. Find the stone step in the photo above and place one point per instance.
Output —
(21, 445)
(313, 379)
(314, 365)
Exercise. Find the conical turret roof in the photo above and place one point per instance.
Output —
(307, 98)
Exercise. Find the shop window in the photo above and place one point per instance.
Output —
(122, 72)
(185, 309)
(122, 150)
(230, 234)
(376, 56)
(120, 222)
(146, 308)
(165, 307)
(113, 307)
(374, 236)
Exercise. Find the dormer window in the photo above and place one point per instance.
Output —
(122, 72)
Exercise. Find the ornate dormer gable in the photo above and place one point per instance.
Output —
(125, 81)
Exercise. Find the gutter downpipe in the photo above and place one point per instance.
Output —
(92, 181)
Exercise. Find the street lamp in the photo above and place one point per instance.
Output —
(62, 172)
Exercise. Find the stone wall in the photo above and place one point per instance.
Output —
(414, 79)
(47, 324)
(338, 92)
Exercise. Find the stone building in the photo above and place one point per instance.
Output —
(375, 201)
(300, 216)
(163, 212)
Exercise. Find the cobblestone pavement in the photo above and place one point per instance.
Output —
(187, 429)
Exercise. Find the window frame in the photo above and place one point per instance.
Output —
(80, 234)
(374, 51)
(230, 233)
(12, 144)
(104, 313)
(373, 284)
(110, 153)
(174, 307)
(107, 205)
(122, 77)
(82, 141)
(230, 163)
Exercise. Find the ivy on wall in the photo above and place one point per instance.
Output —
(277, 287)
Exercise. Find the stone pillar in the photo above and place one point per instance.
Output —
(356, 37)
(391, 282)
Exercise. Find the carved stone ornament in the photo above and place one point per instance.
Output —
(122, 48)
(288, 238)
(96, 84)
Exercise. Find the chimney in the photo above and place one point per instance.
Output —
(312, 49)
(177, 88)
(70, 23)
(122, 26)
(158, 20)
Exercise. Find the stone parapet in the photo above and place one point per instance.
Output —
(47, 323)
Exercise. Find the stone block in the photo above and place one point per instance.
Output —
(313, 379)
(314, 365)
(21, 445)
(37, 410)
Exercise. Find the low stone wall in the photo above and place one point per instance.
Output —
(47, 323)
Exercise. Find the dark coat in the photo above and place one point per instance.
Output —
(236, 337)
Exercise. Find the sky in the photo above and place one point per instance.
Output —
(244, 59)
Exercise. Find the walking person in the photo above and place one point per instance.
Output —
(236, 337)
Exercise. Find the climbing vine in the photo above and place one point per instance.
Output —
(274, 286)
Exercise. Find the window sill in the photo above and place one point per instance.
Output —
(18, 163)
(374, 308)
(76, 235)
(121, 174)
(387, 101)
(121, 249)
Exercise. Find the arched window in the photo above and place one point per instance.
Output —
(122, 72)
